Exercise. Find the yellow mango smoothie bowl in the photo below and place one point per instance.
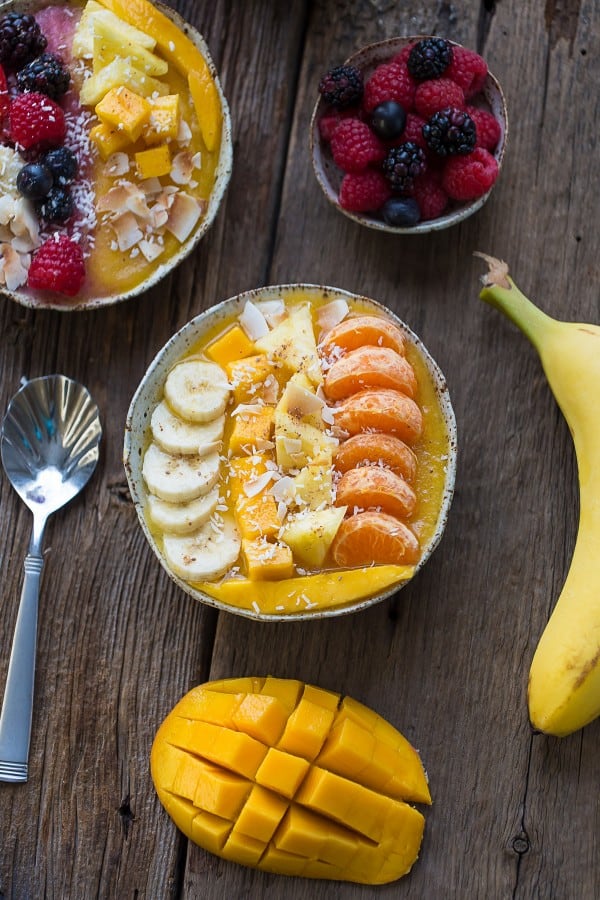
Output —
(291, 453)
(115, 149)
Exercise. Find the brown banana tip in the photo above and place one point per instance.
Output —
(497, 274)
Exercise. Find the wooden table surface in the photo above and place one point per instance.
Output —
(515, 814)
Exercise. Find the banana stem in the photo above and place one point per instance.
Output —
(501, 292)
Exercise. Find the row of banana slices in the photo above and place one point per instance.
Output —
(182, 468)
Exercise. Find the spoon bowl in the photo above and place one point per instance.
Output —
(49, 445)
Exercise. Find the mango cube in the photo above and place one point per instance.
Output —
(124, 110)
(262, 813)
(282, 772)
(231, 346)
(219, 792)
(210, 831)
(261, 717)
(326, 699)
(285, 689)
(248, 376)
(232, 749)
(108, 140)
(163, 124)
(243, 849)
(267, 561)
(210, 706)
(250, 430)
(306, 729)
(153, 163)
(257, 516)
(242, 471)
(348, 750)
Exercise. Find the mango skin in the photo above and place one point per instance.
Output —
(292, 779)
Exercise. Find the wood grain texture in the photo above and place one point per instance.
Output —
(514, 814)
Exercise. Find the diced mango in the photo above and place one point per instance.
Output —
(242, 471)
(278, 810)
(267, 560)
(230, 347)
(153, 163)
(248, 376)
(257, 516)
(207, 104)
(250, 430)
(282, 772)
(163, 124)
(124, 110)
(210, 706)
(108, 140)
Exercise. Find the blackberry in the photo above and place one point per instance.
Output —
(56, 207)
(34, 181)
(62, 162)
(21, 39)
(403, 164)
(450, 132)
(45, 75)
(342, 87)
(429, 58)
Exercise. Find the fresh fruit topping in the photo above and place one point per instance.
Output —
(470, 177)
(380, 410)
(403, 164)
(197, 391)
(374, 537)
(354, 146)
(450, 132)
(179, 479)
(34, 181)
(56, 207)
(468, 69)
(62, 162)
(429, 58)
(487, 128)
(430, 196)
(364, 191)
(46, 75)
(369, 367)
(388, 120)
(413, 130)
(329, 122)
(389, 82)
(4, 97)
(205, 555)
(58, 266)
(376, 449)
(401, 212)
(374, 487)
(36, 121)
(431, 96)
(21, 39)
(342, 87)
(355, 331)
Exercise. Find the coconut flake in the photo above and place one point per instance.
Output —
(182, 166)
(183, 215)
(283, 490)
(117, 164)
(274, 311)
(184, 132)
(327, 415)
(13, 269)
(253, 322)
(258, 484)
(150, 249)
(332, 314)
(127, 231)
(300, 402)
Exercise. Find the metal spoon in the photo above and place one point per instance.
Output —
(49, 444)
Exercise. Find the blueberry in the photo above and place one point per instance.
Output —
(57, 206)
(388, 120)
(34, 181)
(62, 162)
(402, 212)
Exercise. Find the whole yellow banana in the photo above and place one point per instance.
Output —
(564, 682)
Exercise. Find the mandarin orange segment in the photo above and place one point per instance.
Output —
(377, 449)
(380, 410)
(368, 367)
(356, 331)
(377, 537)
(370, 486)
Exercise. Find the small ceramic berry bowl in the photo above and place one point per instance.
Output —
(410, 138)
(118, 149)
(291, 454)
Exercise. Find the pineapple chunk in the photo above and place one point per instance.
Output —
(314, 486)
(153, 163)
(83, 39)
(110, 43)
(108, 140)
(119, 73)
(164, 120)
(299, 443)
(124, 110)
(310, 534)
(267, 561)
(292, 343)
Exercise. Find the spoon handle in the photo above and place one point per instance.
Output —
(17, 706)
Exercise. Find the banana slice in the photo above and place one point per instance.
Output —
(205, 555)
(174, 435)
(197, 390)
(178, 479)
(182, 518)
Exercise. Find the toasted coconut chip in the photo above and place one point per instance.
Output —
(257, 485)
(25, 223)
(283, 490)
(274, 311)
(270, 389)
(327, 415)
(253, 322)
(115, 200)
(248, 409)
(127, 231)
(182, 167)
(23, 244)
(332, 314)
(158, 216)
(184, 215)
(184, 132)
(117, 164)
(302, 402)
(5, 234)
(151, 186)
(14, 271)
(262, 444)
(150, 249)
(7, 209)
(136, 203)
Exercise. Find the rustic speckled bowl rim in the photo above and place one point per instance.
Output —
(150, 391)
(326, 171)
(222, 173)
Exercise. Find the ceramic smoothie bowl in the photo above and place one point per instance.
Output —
(115, 153)
(291, 454)
(409, 155)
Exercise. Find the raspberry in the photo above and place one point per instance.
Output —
(403, 164)
(431, 96)
(413, 131)
(46, 75)
(57, 266)
(470, 177)
(468, 69)
(364, 191)
(431, 198)
(36, 121)
(342, 87)
(330, 121)
(389, 82)
(354, 146)
(21, 39)
(429, 58)
(450, 132)
(401, 59)
(487, 128)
